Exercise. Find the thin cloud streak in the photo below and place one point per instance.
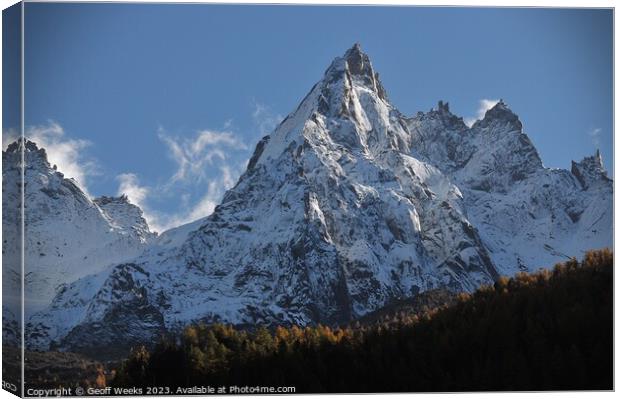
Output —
(206, 150)
(192, 155)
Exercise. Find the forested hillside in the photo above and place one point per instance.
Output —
(551, 330)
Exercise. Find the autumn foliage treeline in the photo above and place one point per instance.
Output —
(551, 330)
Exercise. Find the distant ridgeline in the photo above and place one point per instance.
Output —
(550, 330)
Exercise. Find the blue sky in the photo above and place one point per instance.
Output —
(130, 96)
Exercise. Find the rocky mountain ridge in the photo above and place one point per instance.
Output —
(67, 235)
(347, 206)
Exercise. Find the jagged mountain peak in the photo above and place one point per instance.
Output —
(13, 147)
(349, 97)
(25, 145)
(355, 67)
(104, 199)
(126, 216)
(443, 107)
(442, 112)
(593, 162)
(358, 61)
(29, 148)
(589, 170)
(34, 156)
(500, 114)
(356, 48)
(68, 235)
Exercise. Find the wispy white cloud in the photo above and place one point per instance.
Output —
(193, 155)
(215, 158)
(595, 135)
(141, 195)
(264, 119)
(205, 159)
(64, 152)
(483, 106)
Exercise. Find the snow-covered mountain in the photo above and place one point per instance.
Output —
(67, 235)
(528, 216)
(345, 207)
(11, 249)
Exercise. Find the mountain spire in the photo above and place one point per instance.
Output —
(500, 113)
(357, 67)
(590, 170)
(358, 61)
